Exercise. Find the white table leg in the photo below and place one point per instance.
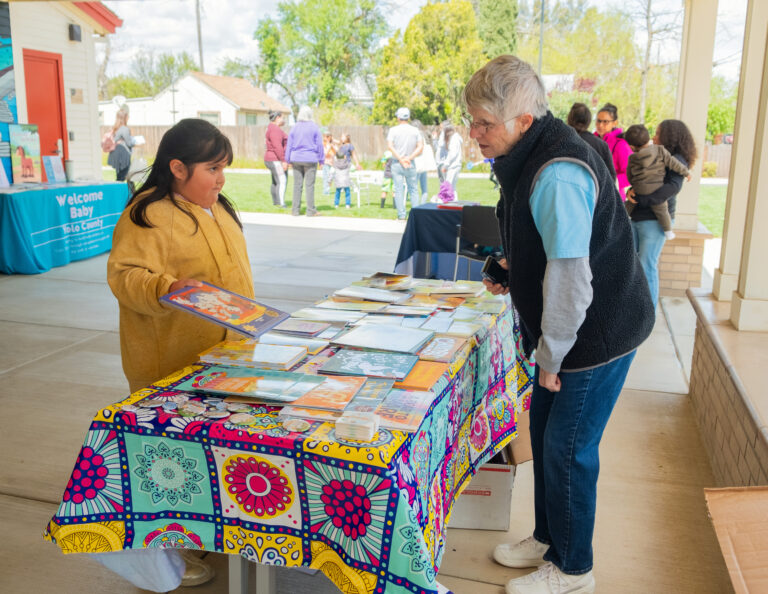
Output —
(238, 575)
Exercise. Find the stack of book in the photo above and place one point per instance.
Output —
(254, 354)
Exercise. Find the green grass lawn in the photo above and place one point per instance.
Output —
(250, 192)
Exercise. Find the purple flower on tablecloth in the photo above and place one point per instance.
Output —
(168, 474)
(94, 486)
(260, 488)
(173, 536)
(349, 508)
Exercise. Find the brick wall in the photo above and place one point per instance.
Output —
(681, 261)
(736, 446)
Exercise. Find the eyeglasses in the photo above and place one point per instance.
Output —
(482, 127)
(605, 121)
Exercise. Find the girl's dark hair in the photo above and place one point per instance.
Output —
(191, 141)
(611, 109)
(637, 136)
(579, 118)
(675, 136)
(448, 131)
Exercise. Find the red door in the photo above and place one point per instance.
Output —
(43, 76)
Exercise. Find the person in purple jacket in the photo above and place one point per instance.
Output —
(304, 152)
(607, 128)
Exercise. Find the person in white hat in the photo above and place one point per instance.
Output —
(405, 143)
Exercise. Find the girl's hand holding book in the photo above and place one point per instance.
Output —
(184, 282)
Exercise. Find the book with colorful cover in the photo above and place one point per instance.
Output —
(313, 345)
(350, 304)
(457, 289)
(310, 414)
(315, 363)
(25, 153)
(385, 280)
(437, 324)
(409, 310)
(423, 376)
(440, 301)
(254, 354)
(383, 337)
(375, 388)
(371, 294)
(465, 329)
(225, 308)
(281, 386)
(442, 348)
(369, 363)
(404, 410)
(327, 315)
(301, 327)
(333, 394)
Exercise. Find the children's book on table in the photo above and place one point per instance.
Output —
(254, 354)
(378, 364)
(383, 337)
(225, 308)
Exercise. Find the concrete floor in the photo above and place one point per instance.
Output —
(60, 362)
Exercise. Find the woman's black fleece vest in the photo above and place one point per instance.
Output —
(621, 315)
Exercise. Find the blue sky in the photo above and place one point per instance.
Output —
(228, 25)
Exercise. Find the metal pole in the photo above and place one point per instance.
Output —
(541, 34)
(199, 35)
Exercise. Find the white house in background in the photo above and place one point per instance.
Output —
(222, 100)
(54, 67)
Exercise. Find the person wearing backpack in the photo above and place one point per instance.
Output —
(121, 145)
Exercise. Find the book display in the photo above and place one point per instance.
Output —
(370, 363)
(254, 354)
(266, 384)
(442, 348)
(385, 337)
(301, 327)
(225, 308)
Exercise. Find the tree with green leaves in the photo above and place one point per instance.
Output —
(497, 26)
(427, 67)
(721, 114)
(313, 49)
(158, 72)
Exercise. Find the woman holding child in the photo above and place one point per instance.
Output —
(648, 233)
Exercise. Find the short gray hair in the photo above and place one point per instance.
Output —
(507, 87)
(305, 114)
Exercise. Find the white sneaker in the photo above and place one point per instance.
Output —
(548, 579)
(526, 553)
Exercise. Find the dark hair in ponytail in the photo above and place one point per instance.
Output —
(611, 109)
(191, 141)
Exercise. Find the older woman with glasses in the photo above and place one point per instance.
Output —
(607, 128)
(583, 301)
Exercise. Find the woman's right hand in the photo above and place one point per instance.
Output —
(631, 195)
(496, 288)
(184, 282)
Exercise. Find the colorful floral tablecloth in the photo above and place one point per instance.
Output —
(371, 516)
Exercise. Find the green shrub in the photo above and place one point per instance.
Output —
(709, 169)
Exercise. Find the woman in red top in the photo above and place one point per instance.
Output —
(607, 129)
(274, 157)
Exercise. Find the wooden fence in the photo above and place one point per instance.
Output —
(720, 154)
(248, 141)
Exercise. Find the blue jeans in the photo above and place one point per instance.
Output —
(422, 177)
(338, 196)
(400, 178)
(649, 241)
(566, 428)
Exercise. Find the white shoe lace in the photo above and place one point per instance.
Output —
(545, 572)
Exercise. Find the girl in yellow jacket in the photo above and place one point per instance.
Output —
(177, 230)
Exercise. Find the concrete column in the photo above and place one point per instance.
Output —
(749, 309)
(755, 36)
(693, 95)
